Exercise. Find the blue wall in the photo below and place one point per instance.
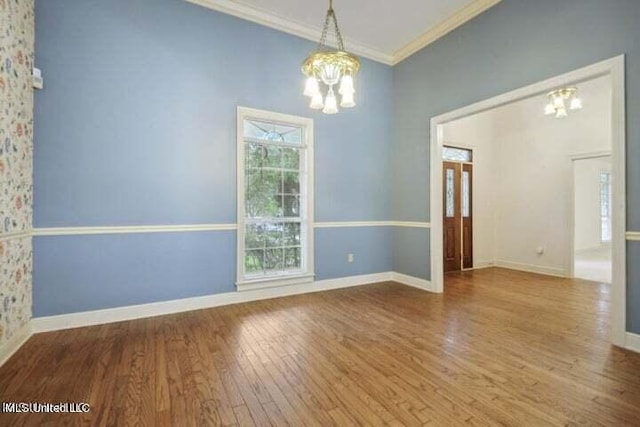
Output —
(516, 43)
(136, 126)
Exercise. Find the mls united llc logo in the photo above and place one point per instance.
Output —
(31, 407)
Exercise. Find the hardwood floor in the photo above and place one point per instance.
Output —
(498, 348)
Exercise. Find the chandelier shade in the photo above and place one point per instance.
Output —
(558, 100)
(327, 67)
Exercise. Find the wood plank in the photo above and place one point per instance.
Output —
(499, 347)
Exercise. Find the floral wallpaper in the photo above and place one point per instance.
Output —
(16, 148)
(15, 291)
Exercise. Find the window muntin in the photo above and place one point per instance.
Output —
(275, 197)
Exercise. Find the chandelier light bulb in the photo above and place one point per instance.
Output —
(561, 113)
(576, 104)
(347, 100)
(316, 101)
(331, 103)
(311, 87)
(346, 85)
(561, 101)
(558, 102)
(549, 109)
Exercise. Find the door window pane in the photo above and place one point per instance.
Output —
(450, 196)
(466, 195)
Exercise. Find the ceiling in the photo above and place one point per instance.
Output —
(382, 30)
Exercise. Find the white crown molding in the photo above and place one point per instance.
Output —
(454, 21)
(129, 229)
(280, 23)
(16, 341)
(633, 235)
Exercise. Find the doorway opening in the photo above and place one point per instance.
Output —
(457, 179)
(592, 225)
(537, 170)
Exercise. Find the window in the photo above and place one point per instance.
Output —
(275, 199)
(605, 207)
(456, 154)
(466, 195)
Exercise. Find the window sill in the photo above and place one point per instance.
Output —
(274, 282)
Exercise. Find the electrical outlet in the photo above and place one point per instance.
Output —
(350, 258)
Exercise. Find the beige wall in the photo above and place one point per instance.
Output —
(524, 176)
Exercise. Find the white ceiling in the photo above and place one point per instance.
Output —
(382, 30)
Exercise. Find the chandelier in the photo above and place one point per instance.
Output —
(327, 67)
(558, 100)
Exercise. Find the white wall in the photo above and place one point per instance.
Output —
(523, 181)
(587, 202)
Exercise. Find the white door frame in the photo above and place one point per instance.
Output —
(614, 69)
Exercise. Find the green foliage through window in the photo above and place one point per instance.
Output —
(273, 198)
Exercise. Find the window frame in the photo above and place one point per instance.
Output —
(306, 274)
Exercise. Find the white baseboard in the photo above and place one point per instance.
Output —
(415, 282)
(14, 343)
(530, 268)
(632, 342)
(592, 249)
(479, 265)
(119, 314)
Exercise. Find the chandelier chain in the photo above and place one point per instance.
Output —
(331, 16)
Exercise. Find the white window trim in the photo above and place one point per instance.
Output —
(307, 274)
